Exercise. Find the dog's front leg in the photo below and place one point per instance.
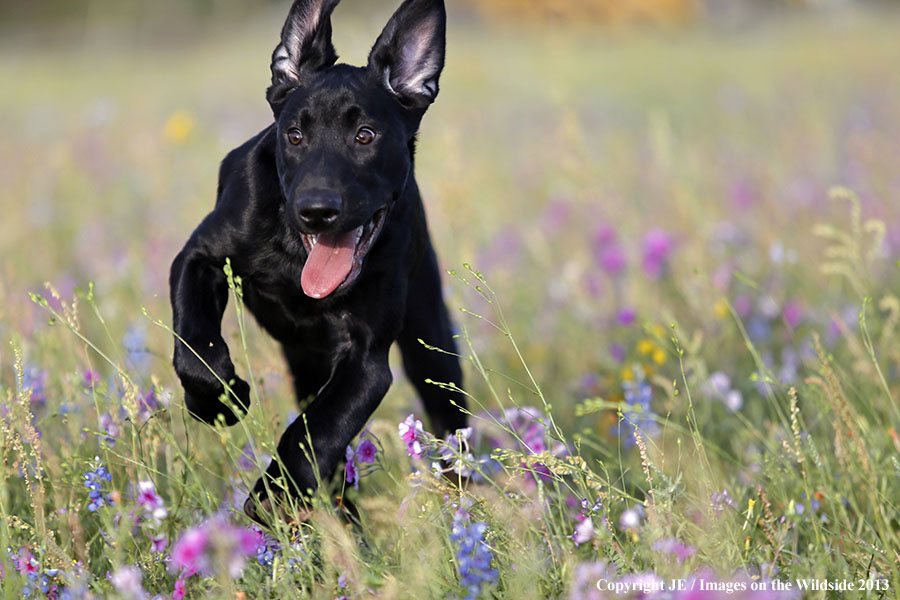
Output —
(199, 293)
(357, 385)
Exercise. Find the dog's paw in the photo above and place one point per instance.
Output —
(206, 406)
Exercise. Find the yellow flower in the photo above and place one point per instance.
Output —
(646, 347)
(659, 356)
(178, 127)
(721, 309)
(627, 374)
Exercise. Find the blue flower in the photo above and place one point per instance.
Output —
(93, 481)
(473, 555)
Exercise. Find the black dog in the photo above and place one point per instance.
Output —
(321, 217)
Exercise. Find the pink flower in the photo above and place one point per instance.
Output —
(412, 433)
(216, 539)
(178, 592)
(658, 245)
(189, 552)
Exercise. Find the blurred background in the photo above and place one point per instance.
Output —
(603, 162)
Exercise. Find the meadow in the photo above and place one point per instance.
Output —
(674, 263)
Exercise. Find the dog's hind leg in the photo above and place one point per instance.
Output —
(427, 320)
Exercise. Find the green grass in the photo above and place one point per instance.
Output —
(542, 145)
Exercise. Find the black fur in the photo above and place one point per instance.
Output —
(272, 191)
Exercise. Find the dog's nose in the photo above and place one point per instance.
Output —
(318, 209)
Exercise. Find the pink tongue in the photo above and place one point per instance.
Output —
(328, 264)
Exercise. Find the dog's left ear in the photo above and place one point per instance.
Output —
(305, 47)
(409, 54)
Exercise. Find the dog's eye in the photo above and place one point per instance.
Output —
(294, 136)
(365, 136)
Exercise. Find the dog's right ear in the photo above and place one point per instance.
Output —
(305, 48)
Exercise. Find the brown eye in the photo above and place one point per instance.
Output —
(294, 135)
(365, 136)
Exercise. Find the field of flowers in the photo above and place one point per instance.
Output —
(674, 261)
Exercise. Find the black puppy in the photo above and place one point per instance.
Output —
(321, 217)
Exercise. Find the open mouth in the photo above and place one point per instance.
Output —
(335, 259)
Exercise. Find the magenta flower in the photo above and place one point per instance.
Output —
(178, 592)
(150, 501)
(366, 451)
(90, 378)
(793, 313)
(189, 554)
(607, 251)
(626, 316)
(658, 245)
(412, 433)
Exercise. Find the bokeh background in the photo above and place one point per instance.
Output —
(611, 167)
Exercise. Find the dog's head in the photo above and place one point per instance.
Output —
(345, 135)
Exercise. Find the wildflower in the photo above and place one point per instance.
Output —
(473, 555)
(608, 253)
(792, 313)
(413, 434)
(626, 316)
(250, 460)
(93, 481)
(674, 546)
(584, 582)
(178, 592)
(631, 519)
(637, 411)
(178, 127)
(266, 547)
(718, 386)
(150, 501)
(136, 351)
(658, 245)
(110, 429)
(147, 405)
(127, 581)
(216, 538)
(35, 379)
(158, 544)
(719, 501)
(350, 473)
(584, 531)
(366, 451)
(90, 378)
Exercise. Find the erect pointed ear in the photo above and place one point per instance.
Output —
(409, 54)
(305, 47)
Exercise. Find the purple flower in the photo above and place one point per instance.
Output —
(158, 544)
(626, 316)
(90, 378)
(584, 531)
(110, 429)
(792, 313)
(366, 451)
(35, 379)
(719, 501)
(674, 546)
(350, 473)
(607, 251)
(658, 246)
